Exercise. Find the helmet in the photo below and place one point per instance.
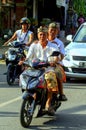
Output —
(25, 20)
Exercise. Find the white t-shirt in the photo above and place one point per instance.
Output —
(60, 45)
(21, 36)
(37, 51)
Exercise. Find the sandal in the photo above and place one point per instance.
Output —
(51, 112)
(62, 97)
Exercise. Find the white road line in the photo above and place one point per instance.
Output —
(3, 82)
(10, 101)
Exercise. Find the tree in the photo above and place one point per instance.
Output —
(80, 6)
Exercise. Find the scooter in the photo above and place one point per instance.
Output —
(12, 56)
(34, 93)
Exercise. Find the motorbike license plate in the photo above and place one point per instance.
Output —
(82, 64)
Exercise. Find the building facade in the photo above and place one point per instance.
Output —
(11, 11)
(6, 13)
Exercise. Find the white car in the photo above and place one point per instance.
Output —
(75, 58)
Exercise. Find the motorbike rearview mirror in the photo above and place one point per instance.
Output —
(5, 36)
(9, 44)
(55, 53)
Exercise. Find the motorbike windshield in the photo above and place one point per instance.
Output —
(32, 72)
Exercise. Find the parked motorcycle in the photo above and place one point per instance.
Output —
(12, 56)
(34, 93)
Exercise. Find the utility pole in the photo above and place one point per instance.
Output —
(0, 15)
(35, 11)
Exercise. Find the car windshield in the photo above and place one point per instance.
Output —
(80, 36)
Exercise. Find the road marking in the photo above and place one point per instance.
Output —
(3, 82)
(10, 101)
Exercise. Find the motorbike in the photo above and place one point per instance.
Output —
(12, 56)
(34, 94)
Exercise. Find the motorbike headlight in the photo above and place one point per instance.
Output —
(11, 57)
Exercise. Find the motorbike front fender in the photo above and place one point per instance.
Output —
(26, 95)
(9, 65)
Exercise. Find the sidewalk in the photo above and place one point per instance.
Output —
(3, 49)
(2, 52)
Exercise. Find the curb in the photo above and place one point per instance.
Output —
(3, 49)
(2, 62)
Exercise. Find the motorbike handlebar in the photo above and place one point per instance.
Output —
(16, 44)
(41, 65)
(36, 65)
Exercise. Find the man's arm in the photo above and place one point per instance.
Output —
(30, 54)
(62, 50)
(11, 39)
(31, 37)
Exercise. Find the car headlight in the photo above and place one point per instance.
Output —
(67, 61)
(67, 57)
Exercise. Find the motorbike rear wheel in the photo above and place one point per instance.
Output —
(55, 102)
(10, 79)
(26, 113)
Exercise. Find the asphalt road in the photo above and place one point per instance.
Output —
(70, 116)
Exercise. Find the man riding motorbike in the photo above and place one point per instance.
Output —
(24, 34)
(42, 50)
(53, 31)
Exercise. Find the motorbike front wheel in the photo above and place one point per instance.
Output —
(26, 112)
(10, 79)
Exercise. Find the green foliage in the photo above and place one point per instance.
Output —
(45, 21)
(80, 6)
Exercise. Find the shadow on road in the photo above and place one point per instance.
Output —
(65, 120)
